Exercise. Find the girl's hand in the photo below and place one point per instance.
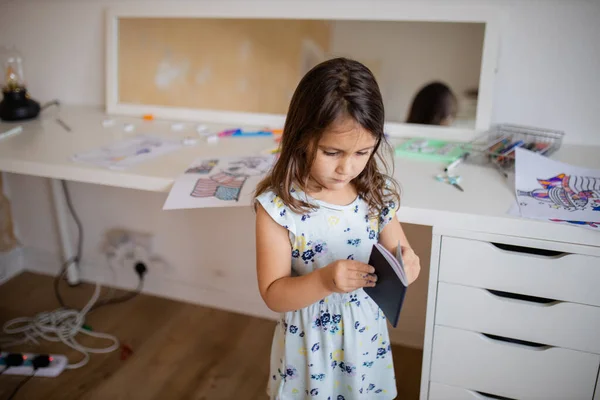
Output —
(343, 276)
(412, 265)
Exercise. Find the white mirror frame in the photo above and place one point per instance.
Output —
(339, 10)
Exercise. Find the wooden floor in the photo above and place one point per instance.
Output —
(181, 351)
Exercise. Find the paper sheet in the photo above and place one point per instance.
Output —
(556, 191)
(594, 226)
(218, 182)
(128, 152)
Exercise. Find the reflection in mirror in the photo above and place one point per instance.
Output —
(254, 65)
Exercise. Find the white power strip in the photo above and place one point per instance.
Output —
(57, 365)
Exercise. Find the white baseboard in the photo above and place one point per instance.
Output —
(167, 286)
(46, 263)
(42, 261)
(11, 264)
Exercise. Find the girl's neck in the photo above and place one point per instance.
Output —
(340, 197)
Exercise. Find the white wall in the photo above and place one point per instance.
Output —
(548, 76)
(422, 52)
(547, 73)
(10, 261)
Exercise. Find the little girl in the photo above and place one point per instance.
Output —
(318, 214)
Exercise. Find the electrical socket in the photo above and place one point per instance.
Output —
(126, 248)
(119, 238)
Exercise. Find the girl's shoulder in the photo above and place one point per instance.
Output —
(391, 204)
(277, 209)
(270, 200)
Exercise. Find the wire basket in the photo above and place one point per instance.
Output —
(498, 145)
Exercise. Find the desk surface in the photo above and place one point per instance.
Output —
(45, 148)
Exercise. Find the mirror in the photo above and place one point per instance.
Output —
(429, 72)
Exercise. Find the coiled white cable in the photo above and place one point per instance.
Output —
(60, 325)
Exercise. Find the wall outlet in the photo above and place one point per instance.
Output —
(119, 238)
(125, 248)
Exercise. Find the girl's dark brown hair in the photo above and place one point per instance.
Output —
(336, 88)
(433, 104)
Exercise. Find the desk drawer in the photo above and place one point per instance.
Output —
(561, 276)
(569, 325)
(472, 360)
(439, 391)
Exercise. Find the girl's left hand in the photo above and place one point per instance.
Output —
(412, 265)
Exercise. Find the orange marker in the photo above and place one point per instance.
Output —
(148, 117)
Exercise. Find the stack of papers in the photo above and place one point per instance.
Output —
(128, 152)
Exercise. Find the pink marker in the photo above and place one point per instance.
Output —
(229, 132)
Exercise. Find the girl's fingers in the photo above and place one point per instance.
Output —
(361, 267)
(362, 275)
(354, 284)
(358, 283)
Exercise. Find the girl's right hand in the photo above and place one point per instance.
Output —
(343, 276)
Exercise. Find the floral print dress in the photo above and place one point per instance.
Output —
(337, 348)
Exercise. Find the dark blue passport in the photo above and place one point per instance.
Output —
(390, 290)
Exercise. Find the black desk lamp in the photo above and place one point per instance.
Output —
(16, 104)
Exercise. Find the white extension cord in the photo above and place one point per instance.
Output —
(61, 325)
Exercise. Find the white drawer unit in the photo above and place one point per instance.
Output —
(471, 360)
(511, 318)
(568, 277)
(562, 324)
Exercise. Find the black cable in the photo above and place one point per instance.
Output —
(21, 384)
(75, 218)
(48, 104)
(140, 269)
(77, 257)
(57, 279)
(4, 370)
(121, 299)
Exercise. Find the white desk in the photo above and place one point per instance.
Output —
(464, 226)
(44, 149)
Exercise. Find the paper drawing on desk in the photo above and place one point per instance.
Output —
(218, 182)
(128, 152)
(595, 226)
(205, 167)
(553, 190)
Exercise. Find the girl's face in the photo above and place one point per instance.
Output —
(342, 154)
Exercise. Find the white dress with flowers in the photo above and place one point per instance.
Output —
(337, 348)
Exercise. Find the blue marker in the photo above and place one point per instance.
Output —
(252, 134)
(510, 148)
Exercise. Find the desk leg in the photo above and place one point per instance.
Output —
(436, 241)
(62, 217)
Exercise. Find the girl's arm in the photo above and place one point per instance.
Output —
(390, 235)
(279, 290)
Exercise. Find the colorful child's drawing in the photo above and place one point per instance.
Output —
(204, 168)
(569, 192)
(228, 183)
(595, 226)
(552, 190)
(581, 223)
(223, 182)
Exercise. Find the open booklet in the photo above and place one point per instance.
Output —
(390, 290)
